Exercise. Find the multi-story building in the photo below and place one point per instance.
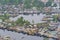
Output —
(57, 2)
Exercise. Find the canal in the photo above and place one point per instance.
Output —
(20, 36)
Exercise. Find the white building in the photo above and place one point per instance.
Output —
(57, 2)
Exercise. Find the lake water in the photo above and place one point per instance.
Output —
(35, 17)
(20, 36)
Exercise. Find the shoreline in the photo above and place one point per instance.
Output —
(29, 31)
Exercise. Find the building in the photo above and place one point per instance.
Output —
(44, 1)
(57, 2)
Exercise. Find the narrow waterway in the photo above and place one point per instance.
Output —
(19, 36)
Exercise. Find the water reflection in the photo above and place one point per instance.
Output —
(19, 36)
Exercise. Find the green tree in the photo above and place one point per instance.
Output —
(21, 21)
(33, 21)
(46, 38)
(6, 16)
(49, 3)
(38, 4)
(27, 3)
(55, 18)
(7, 1)
(55, 5)
(26, 22)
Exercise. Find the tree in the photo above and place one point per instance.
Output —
(6, 16)
(7, 1)
(55, 5)
(38, 4)
(10, 1)
(13, 23)
(21, 21)
(27, 4)
(49, 3)
(33, 21)
(55, 18)
(26, 22)
(46, 38)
